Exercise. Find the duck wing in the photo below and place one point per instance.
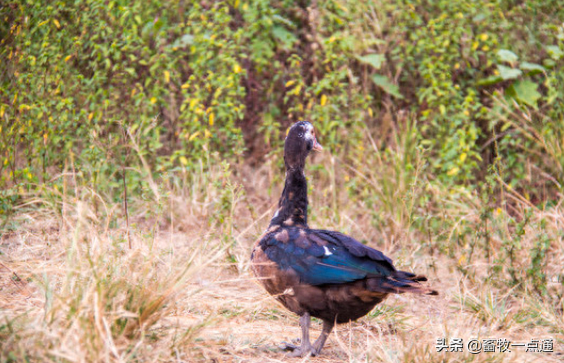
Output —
(322, 257)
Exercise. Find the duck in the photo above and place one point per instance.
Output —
(320, 273)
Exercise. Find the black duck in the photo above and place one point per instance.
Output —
(315, 272)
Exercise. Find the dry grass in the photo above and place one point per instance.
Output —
(72, 290)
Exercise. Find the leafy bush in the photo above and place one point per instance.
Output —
(172, 82)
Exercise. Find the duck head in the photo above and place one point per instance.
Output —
(299, 142)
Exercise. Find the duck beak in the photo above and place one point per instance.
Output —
(316, 145)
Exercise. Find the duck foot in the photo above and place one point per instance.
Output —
(306, 349)
(297, 351)
(285, 346)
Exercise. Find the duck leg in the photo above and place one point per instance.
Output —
(320, 342)
(305, 348)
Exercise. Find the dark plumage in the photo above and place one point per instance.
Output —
(315, 272)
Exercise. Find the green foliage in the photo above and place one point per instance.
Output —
(448, 46)
(84, 81)
(457, 57)
(145, 88)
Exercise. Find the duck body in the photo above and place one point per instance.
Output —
(315, 272)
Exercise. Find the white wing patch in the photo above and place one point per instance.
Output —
(327, 251)
(288, 291)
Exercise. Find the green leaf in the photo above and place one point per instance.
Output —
(281, 19)
(508, 73)
(375, 60)
(489, 81)
(548, 63)
(186, 39)
(384, 83)
(508, 56)
(284, 36)
(525, 92)
(555, 52)
(532, 68)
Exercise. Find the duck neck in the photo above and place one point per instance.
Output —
(292, 207)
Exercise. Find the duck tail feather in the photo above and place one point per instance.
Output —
(400, 282)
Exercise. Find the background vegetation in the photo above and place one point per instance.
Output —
(140, 149)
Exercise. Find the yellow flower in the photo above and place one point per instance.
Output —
(453, 171)
(461, 260)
